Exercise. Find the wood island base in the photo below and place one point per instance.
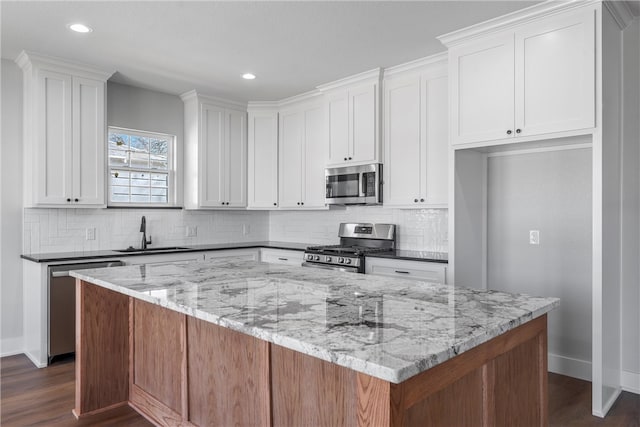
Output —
(175, 369)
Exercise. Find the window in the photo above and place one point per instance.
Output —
(141, 168)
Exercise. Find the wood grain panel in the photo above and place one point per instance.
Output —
(158, 357)
(457, 405)
(374, 402)
(102, 353)
(228, 377)
(516, 387)
(154, 410)
(307, 391)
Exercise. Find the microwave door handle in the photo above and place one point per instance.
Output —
(363, 184)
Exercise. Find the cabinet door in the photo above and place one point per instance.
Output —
(54, 146)
(88, 142)
(363, 124)
(338, 127)
(235, 175)
(263, 160)
(404, 151)
(435, 99)
(554, 68)
(290, 155)
(212, 156)
(314, 153)
(482, 90)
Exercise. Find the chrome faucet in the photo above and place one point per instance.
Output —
(143, 230)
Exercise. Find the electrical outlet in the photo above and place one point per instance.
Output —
(192, 231)
(90, 233)
(534, 237)
(246, 229)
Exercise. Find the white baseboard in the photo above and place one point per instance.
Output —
(569, 366)
(35, 360)
(630, 381)
(11, 346)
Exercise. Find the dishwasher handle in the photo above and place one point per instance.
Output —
(65, 273)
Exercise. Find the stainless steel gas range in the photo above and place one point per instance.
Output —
(356, 242)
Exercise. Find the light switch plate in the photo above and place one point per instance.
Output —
(534, 237)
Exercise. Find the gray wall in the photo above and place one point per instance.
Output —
(11, 210)
(631, 204)
(550, 192)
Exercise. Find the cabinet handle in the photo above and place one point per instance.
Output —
(518, 131)
(283, 259)
(402, 272)
(68, 200)
(422, 200)
(509, 132)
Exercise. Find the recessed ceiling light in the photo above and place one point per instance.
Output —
(248, 76)
(80, 28)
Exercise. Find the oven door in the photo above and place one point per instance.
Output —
(331, 267)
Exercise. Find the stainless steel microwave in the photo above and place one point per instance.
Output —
(354, 185)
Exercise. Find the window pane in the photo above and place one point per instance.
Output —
(139, 144)
(118, 158)
(159, 192)
(158, 146)
(118, 141)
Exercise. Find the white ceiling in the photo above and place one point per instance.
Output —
(291, 46)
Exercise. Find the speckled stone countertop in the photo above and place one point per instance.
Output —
(385, 327)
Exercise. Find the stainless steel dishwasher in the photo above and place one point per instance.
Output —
(62, 306)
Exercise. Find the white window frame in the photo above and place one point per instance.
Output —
(172, 188)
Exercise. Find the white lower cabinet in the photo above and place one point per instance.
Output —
(249, 254)
(281, 256)
(416, 270)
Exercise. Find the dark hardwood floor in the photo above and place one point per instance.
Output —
(31, 396)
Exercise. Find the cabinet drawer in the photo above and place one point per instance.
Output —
(234, 254)
(281, 256)
(417, 270)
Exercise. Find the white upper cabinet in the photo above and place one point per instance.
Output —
(528, 80)
(65, 133)
(215, 153)
(415, 135)
(352, 119)
(263, 159)
(302, 153)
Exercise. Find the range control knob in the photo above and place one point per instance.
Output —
(347, 260)
(310, 257)
(316, 258)
(328, 259)
(340, 260)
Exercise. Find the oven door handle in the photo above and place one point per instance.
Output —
(327, 267)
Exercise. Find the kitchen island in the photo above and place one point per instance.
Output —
(249, 343)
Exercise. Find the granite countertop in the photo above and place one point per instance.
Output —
(85, 255)
(385, 327)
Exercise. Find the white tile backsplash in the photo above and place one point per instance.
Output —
(64, 230)
(417, 229)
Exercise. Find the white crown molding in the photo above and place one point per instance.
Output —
(537, 11)
(621, 13)
(26, 60)
(262, 106)
(221, 102)
(367, 76)
(417, 64)
(306, 96)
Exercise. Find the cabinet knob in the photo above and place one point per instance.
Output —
(349, 158)
(422, 200)
(345, 158)
(415, 200)
(302, 203)
(77, 200)
(275, 204)
(222, 203)
(68, 200)
(518, 131)
(509, 132)
(298, 203)
(227, 203)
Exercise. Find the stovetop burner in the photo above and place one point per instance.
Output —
(346, 250)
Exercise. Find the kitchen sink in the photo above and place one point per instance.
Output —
(160, 249)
